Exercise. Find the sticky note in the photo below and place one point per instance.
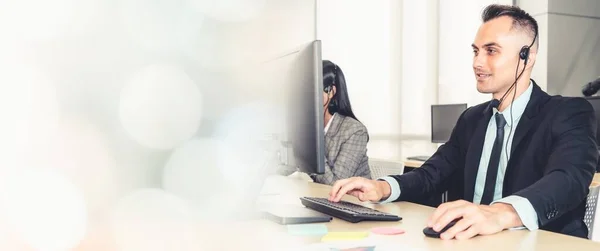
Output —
(338, 236)
(307, 229)
(387, 230)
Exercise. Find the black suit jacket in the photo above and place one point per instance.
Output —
(552, 162)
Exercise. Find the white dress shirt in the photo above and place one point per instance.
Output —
(329, 122)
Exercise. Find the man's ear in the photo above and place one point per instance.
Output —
(531, 59)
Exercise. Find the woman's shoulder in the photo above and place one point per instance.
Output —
(350, 124)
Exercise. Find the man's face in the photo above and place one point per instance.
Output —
(495, 55)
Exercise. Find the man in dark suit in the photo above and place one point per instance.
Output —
(523, 160)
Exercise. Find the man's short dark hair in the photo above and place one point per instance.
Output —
(521, 19)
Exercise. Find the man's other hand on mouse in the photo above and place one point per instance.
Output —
(476, 219)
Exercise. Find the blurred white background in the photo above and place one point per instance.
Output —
(114, 114)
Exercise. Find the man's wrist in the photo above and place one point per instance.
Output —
(384, 188)
(508, 216)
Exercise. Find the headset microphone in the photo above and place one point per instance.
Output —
(495, 102)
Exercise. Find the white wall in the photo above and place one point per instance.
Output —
(570, 39)
(574, 54)
(419, 65)
(360, 45)
(360, 37)
(419, 78)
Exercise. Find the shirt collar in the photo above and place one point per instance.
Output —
(518, 106)
(329, 123)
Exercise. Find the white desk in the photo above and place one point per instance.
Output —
(266, 235)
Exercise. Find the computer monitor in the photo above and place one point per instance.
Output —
(443, 120)
(300, 77)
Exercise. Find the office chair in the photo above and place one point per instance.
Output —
(381, 168)
(592, 216)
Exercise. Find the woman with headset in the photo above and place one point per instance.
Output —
(345, 137)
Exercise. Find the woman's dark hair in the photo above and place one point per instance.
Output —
(333, 76)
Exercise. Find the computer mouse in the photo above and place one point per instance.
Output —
(429, 232)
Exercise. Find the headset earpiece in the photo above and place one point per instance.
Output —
(524, 53)
(329, 90)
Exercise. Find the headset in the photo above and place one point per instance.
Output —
(523, 55)
(332, 103)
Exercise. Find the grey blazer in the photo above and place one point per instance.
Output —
(345, 151)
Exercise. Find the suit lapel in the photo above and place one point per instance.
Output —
(526, 122)
(474, 153)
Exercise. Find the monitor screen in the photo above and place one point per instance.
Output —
(443, 119)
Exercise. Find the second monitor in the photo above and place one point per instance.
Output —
(443, 120)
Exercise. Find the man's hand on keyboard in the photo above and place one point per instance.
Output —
(363, 189)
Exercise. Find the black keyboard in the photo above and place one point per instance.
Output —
(347, 211)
